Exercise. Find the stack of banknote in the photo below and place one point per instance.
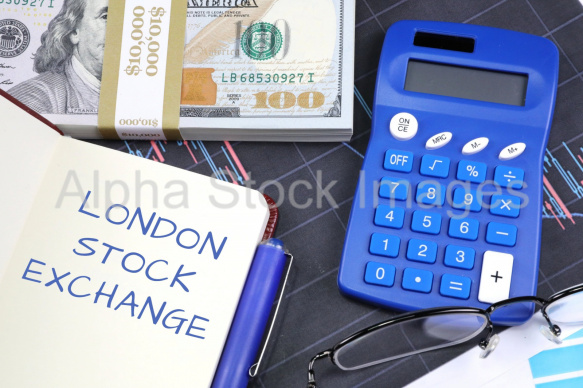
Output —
(252, 69)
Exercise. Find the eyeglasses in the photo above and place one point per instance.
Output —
(438, 328)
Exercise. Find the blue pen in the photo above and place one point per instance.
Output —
(252, 316)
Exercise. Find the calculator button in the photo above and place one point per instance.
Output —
(437, 166)
(380, 274)
(389, 216)
(495, 277)
(467, 199)
(421, 250)
(403, 126)
(394, 188)
(474, 172)
(475, 146)
(505, 205)
(501, 234)
(430, 193)
(417, 280)
(396, 160)
(438, 141)
(455, 286)
(464, 228)
(384, 245)
(426, 222)
(512, 151)
(509, 177)
(459, 257)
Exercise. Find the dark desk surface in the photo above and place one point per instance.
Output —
(315, 316)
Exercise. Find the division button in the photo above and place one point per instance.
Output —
(512, 151)
(475, 146)
(509, 177)
(438, 141)
(403, 126)
(495, 277)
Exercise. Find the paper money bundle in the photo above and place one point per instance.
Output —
(252, 69)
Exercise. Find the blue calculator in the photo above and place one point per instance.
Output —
(447, 211)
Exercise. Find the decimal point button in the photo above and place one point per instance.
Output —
(403, 126)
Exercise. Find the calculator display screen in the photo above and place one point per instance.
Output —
(466, 82)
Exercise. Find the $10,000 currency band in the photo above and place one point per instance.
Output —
(246, 63)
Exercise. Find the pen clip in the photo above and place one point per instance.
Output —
(255, 367)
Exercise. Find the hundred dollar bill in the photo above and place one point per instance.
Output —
(252, 69)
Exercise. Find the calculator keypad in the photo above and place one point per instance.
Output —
(430, 193)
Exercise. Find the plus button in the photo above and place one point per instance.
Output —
(496, 277)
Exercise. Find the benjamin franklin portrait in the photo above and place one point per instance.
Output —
(69, 61)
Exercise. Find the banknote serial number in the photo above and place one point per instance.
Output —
(149, 42)
(31, 3)
(265, 78)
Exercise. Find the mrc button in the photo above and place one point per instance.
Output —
(438, 141)
(396, 160)
(403, 126)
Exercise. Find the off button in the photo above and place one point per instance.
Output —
(403, 126)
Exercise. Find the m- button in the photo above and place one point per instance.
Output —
(475, 146)
(403, 126)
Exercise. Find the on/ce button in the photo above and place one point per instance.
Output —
(403, 126)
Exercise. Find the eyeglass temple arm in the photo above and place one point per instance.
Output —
(311, 373)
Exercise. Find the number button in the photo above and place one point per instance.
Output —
(380, 274)
(464, 228)
(467, 199)
(474, 172)
(384, 245)
(511, 177)
(459, 257)
(505, 205)
(426, 222)
(501, 234)
(391, 217)
(423, 251)
(455, 286)
(394, 188)
(417, 280)
(396, 160)
(429, 193)
(437, 166)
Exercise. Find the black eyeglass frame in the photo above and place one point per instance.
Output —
(483, 344)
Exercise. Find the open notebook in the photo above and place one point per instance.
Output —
(114, 271)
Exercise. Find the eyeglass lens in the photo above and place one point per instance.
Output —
(568, 309)
(422, 334)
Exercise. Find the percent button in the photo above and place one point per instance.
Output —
(470, 171)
